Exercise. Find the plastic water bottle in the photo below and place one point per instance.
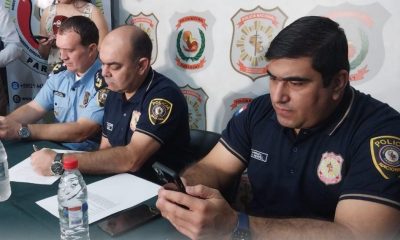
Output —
(72, 202)
(5, 188)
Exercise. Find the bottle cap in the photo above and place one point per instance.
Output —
(70, 162)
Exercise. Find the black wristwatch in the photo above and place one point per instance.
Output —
(24, 132)
(57, 167)
(242, 230)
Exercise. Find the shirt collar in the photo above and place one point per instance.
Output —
(90, 74)
(148, 82)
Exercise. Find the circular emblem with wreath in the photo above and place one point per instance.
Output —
(199, 53)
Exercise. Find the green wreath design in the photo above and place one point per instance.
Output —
(198, 55)
(363, 53)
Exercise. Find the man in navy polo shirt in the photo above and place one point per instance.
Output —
(145, 114)
(322, 158)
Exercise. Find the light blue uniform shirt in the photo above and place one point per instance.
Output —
(72, 100)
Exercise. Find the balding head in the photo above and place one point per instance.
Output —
(125, 53)
(130, 38)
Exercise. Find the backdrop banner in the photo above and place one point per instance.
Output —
(217, 48)
(27, 75)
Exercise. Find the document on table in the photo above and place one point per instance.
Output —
(23, 172)
(110, 195)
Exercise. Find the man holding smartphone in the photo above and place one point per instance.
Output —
(322, 158)
(145, 116)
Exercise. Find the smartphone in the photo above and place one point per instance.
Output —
(39, 37)
(169, 177)
(129, 219)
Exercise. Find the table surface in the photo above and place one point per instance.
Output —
(22, 218)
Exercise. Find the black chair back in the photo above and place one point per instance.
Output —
(201, 143)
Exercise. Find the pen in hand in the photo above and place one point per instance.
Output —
(35, 148)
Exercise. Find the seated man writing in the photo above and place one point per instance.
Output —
(70, 93)
(322, 158)
(146, 115)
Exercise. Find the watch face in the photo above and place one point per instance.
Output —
(57, 168)
(24, 132)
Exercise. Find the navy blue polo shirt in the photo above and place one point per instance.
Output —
(352, 155)
(157, 109)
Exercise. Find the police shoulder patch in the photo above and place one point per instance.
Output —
(159, 110)
(99, 81)
(59, 67)
(385, 153)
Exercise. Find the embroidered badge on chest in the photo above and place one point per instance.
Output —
(385, 153)
(85, 100)
(134, 120)
(330, 168)
(159, 110)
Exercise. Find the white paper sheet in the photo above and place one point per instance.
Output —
(23, 172)
(110, 195)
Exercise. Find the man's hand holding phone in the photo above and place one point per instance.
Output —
(169, 177)
(45, 41)
(206, 214)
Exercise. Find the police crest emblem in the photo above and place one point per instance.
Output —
(385, 152)
(159, 110)
(330, 168)
(134, 120)
(253, 30)
(148, 23)
(196, 99)
(193, 37)
(85, 100)
(361, 23)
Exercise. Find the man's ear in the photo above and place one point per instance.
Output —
(143, 65)
(93, 49)
(339, 81)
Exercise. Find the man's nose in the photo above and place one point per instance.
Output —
(279, 91)
(104, 71)
(63, 55)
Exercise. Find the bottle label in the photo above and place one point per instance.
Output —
(2, 171)
(76, 215)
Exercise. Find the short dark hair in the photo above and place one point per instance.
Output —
(83, 26)
(317, 37)
(141, 44)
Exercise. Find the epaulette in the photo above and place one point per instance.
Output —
(101, 87)
(59, 67)
(99, 81)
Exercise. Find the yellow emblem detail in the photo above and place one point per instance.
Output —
(385, 153)
(159, 110)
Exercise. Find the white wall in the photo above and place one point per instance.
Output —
(379, 21)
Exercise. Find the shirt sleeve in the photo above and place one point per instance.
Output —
(45, 97)
(162, 114)
(237, 136)
(374, 172)
(9, 36)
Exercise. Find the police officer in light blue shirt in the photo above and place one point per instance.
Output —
(71, 91)
(72, 98)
